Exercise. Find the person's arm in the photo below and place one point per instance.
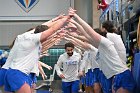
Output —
(45, 34)
(44, 53)
(47, 46)
(49, 41)
(81, 37)
(45, 65)
(80, 28)
(53, 37)
(95, 36)
(84, 44)
(53, 21)
(42, 71)
(78, 50)
(73, 41)
(58, 66)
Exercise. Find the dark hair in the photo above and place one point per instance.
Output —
(100, 32)
(69, 44)
(109, 26)
(40, 28)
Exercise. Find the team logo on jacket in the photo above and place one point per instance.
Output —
(27, 5)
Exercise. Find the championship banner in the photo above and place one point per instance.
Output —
(18, 10)
(27, 5)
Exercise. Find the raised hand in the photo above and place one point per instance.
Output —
(44, 77)
(61, 33)
(71, 12)
(49, 67)
(71, 27)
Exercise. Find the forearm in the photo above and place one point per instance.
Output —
(57, 67)
(81, 48)
(53, 29)
(85, 45)
(82, 38)
(44, 65)
(95, 37)
(52, 21)
(81, 43)
(70, 38)
(47, 47)
(81, 29)
(41, 69)
(54, 34)
(48, 41)
(73, 41)
(76, 43)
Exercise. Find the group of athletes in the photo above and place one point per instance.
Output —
(102, 60)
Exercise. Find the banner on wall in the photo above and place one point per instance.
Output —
(33, 9)
(27, 5)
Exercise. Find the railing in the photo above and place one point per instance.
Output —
(104, 13)
(115, 12)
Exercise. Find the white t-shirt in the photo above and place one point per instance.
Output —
(86, 64)
(70, 66)
(118, 44)
(108, 59)
(89, 59)
(82, 66)
(92, 57)
(35, 70)
(27, 52)
(10, 57)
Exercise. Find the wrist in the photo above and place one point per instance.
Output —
(75, 15)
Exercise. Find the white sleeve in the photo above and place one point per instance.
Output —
(79, 65)
(83, 62)
(59, 65)
(10, 56)
(82, 66)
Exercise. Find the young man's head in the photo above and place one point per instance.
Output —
(100, 32)
(69, 47)
(108, 26)
(40, 28)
